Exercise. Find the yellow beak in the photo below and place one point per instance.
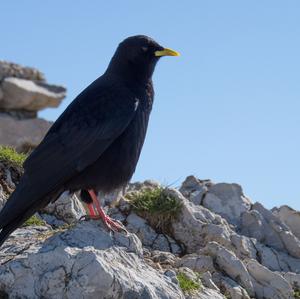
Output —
(166, 52)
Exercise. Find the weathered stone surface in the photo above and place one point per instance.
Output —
(28, 95)
(293, 279)
(196, 225)
(268, 284)
(207, 293)
(3, 197)
(232, 289)
(85, 262)
(290, 217)
(23, 92)
(228, 201)
(208, 282)
(25, 133)
(67, 208)
(197, 262)
(8, 69)
(194, 189)
(232, 261)
(149, 237)
(266, 228)
(230, 264)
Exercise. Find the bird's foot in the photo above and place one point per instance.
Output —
(111, 224)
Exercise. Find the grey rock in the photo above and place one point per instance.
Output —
(172, 275)
(23, 239)
(163, 258)
(290, 217)
(139, 226)
(266, 228)
(208, 282)
(85, 262)
(243, 247)
(194, 189)
(197, 262)
(293, 279)
(161, 243)
(67, 208)
(28, 95)
(3, 197)
(149, 237)
(268, 284)
(138, 186)
(207, 293)
(230, 264)
(196, 225)
(25, 133)
(232, 289)
(111, 199)
(52, 220)
(228, 201)
(8, 69)
(277, 260)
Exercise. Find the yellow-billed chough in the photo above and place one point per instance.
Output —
(96, 143)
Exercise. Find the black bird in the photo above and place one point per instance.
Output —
(96, 143)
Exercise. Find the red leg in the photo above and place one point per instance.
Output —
(111, 224)
(91, 209)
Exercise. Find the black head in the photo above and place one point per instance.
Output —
(136, 57)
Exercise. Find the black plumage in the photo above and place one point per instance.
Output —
(96, 142)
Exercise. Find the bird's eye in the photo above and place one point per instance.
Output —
(145, 49)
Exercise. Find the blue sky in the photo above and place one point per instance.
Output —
(227, 109)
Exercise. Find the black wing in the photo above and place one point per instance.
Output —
(77, 139)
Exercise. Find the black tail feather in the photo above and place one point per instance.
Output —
(11, 217)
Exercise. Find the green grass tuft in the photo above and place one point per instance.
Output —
(9, 155)
(297, 293)
(186, 284)
(156, 206)
(34, 220)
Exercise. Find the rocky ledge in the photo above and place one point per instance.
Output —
(202, 240)
(24, 92)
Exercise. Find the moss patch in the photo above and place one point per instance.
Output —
(34, 220)
(156, 206)
(9, 155)
(186, 284)
(11, 168)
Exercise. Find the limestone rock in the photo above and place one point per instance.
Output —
(149, 237)
(230, 264)
(207, 293)
(29, 95)
(265, 227)
(67, 208)
(293, 279)
(196, 225)
(228, 201)
(8, 69)
(232, 289)
(194, 189)
(290, 217)
(268, 284)
(85, 262)
(24, 133)
(197, 262)
(207, 280)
